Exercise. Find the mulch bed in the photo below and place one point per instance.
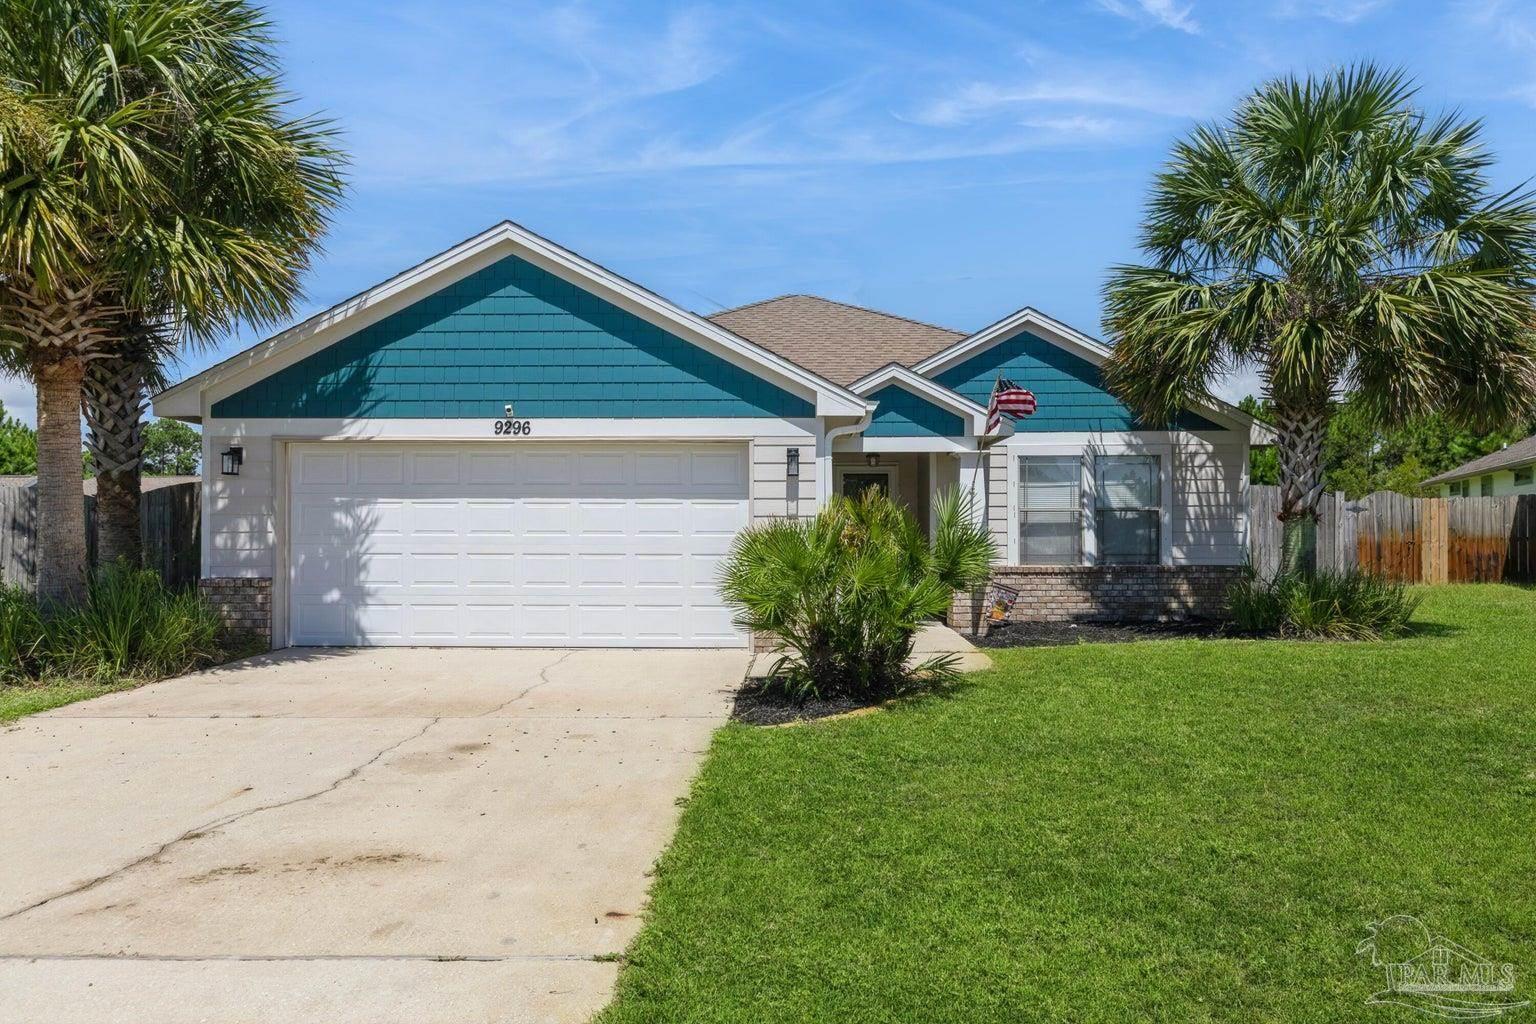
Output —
(755, 707)
(1056, 634)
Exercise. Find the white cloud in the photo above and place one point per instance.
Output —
(19, 399)
(1345, 12)
(1123, 91)
(1160, 12)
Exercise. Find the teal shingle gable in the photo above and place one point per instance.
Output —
(1069, 389)
(512, 332)
(904, 414)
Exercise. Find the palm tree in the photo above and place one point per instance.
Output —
(152, 176)
(1338, 240)
(116, 392)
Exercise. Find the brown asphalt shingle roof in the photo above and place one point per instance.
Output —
(833, 339)
(1517, 454)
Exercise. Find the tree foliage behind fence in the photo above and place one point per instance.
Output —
(1418, 540)
(171, 529)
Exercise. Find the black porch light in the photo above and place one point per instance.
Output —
(230, 460)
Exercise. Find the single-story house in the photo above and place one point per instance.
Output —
(1510, 470)
(509, 444)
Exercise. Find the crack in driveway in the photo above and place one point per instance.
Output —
(214, 825)
(544, 680)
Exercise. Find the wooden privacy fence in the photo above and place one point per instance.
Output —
(171, 528)
(1418, 540)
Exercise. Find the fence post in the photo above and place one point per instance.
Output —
(1434, 541)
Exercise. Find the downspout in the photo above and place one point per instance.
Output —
(824, 487)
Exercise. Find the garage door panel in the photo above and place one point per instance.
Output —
(490, 622)
(601, 622)
(491, 569)
(375, 468)
(492, 468)
(473, 544)
(545, 518)
(549, 621)
(435, 468)
(322, 469)
(601, 570)
(430, 621)
(487, 518)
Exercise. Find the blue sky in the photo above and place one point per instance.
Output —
(946, 161)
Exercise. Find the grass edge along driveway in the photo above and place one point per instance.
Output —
(1180, 830)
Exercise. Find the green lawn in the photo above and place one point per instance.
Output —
(1179, 831)
(30, 698)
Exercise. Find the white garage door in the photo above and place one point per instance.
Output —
(513, 544)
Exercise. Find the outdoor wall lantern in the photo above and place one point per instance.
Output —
(230, 460)
(872, 460)
(792, 467)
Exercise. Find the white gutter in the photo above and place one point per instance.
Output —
(824, 480)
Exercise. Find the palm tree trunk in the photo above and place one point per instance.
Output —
(60, 500)
(59, 330)
(114, 412)
(1301, 427)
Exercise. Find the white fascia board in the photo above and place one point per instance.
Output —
(893, 445)
(565, 430)
(502, 240)
(1074, 341)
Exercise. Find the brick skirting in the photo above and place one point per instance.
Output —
(243, 603)
(1103, 593)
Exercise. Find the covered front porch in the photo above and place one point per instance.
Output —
(923, 440)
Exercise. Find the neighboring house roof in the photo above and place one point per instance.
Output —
(834, 339)
(183, 400)
(1518, 454)
(88, 485)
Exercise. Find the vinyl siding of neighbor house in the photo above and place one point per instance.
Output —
(1070, 390)
(1504, 485)
(904, 414)
(512, 332)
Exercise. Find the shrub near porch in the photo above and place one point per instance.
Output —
(1181, 830)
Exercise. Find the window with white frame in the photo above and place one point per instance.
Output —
(1128, 513)
(1050, 510)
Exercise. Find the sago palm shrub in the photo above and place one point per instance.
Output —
(844, 593)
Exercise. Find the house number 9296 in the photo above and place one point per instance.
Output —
(512, 428)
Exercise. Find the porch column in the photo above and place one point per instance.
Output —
(933, 493)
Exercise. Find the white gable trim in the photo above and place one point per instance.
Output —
(975, 416)
(185, 400)
(1079, 344)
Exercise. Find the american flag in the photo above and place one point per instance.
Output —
(1008, 397)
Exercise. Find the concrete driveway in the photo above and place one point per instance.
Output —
(320, 835)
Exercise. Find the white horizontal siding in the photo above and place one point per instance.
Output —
(1210, 500)
(242, 509)
(772, 496)
(998, 519)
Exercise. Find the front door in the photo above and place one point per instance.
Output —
(854, 482)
